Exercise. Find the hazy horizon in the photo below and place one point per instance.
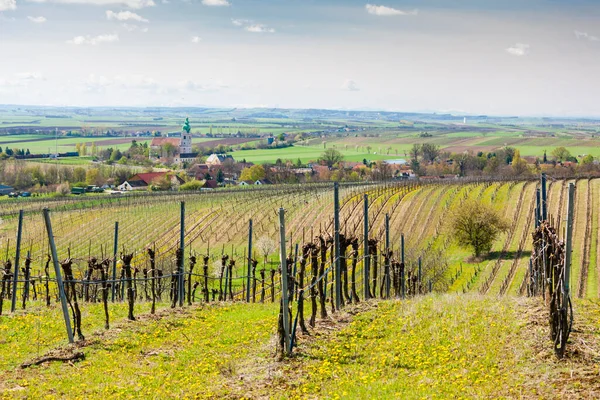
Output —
(461, 57)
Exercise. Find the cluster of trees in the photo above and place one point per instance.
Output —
(8, 152)
(429, 160)
(45, 178)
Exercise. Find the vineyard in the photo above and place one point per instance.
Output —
(135, 257)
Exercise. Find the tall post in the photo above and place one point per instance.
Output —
(419, 276)
(284, 282)
(538, 208)
(114, 269)
(182, 248)
(248, 283)
(13, 303)
(544, 198)
(338, 264)
(59, 281)
(387, 251)
(366, 258)
(402, 280)
(569, 242)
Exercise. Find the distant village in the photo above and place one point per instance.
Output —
(175, 162)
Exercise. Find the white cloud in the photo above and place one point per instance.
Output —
(8, 5)
(586, 36)
(216, 3)
(139, 82)
(384, 11)
(133, 28)
(193, 86)
(21, 79)
(124, 16)
(94, 40)
(37, 20)
(250, 26)
(135, 4)
(259, 28)
(519, 49)
(350, 85)
(239, 22)
(196, 39)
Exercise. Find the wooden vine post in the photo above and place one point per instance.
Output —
(366, 258)
(569, 244)
(402, 268)
(114, 266)
(59, 281)
(337, 252)
(249, 273)
(181, 286)
(15, 276)
(284, 320)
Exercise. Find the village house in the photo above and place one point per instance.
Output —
(142, 181)
(218, 159)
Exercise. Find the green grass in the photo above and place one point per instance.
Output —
(180, 354)
(437, 347)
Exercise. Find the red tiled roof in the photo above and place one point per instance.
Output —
(147, 177)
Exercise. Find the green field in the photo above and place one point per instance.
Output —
(438, 346)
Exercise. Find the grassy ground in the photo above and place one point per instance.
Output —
(438, 346)
(181, 353)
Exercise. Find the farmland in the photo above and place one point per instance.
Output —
(218, 222)
(358, 135)
(231, 344)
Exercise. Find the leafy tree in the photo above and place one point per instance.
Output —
(430, 151)
(589, 159)
(220, 176)
(79, 174)
(92, 176)
(253, 173)
(561, 154)
(477, 225)
(331, 157)
(415, 151)
(168, 150)
(191, 185)
(519, 165)
(115, 155)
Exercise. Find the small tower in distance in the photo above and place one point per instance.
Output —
(186, 138)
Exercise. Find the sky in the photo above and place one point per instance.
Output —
(525, 57)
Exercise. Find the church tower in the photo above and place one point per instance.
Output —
(186, 138)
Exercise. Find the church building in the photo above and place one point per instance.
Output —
(180, 148)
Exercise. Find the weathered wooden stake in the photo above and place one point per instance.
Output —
(544, 198)
(569, 243)
(366, 258)
(13, 303)
(387, 259)
(59, 281)
(403, 267)
(113, 284)
(284, 282)
(181, 286)
(338, 265)
(249, 261)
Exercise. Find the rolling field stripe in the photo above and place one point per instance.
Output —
(578, 236)
(586, 245)
(497, 264)
(511, 273)
(593, 284)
